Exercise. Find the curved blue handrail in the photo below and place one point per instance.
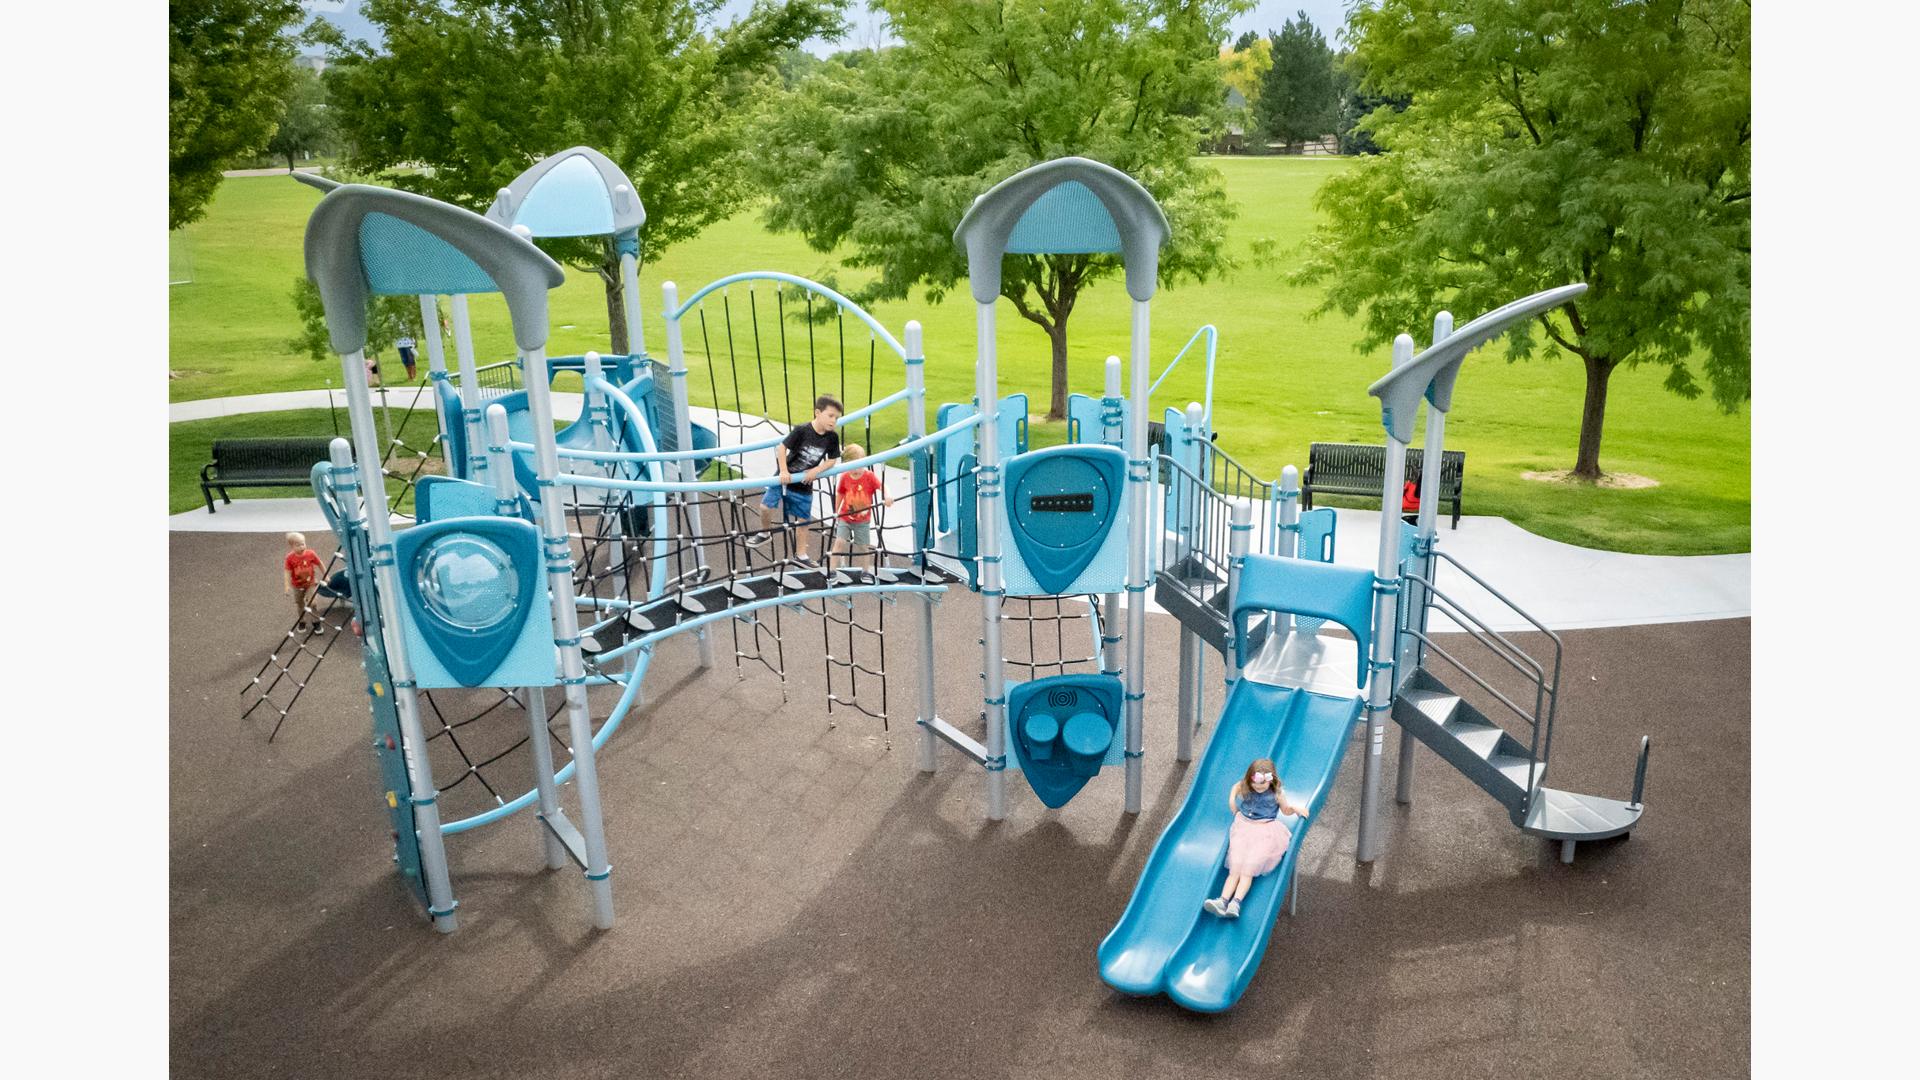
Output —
(1213, 344)
(754, 484)
(813, 286)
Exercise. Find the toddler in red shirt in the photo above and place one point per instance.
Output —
(853, 505)
(302, 574)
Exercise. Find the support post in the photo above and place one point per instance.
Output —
(630, 292)
(683, 432)
(373, 491)
(1188, 707)
(1239, 537)
(436, 355)
(469, 386)
(1287, 542)
(566, 636)
(992, 581)
(921, 465)
(1386, 609)
(1140, 348)
(1417, 602)
(506, 503)
(1112, 420)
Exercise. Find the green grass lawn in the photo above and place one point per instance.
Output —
(1284, 381)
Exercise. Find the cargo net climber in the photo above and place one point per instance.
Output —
(292, 661)
(758, 359)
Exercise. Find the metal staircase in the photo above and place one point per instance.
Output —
(1513, 771)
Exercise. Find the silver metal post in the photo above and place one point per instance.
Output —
(1187, 711)
(916, 364)
(683, 432)
(506, 504)
(436, 351)
(1112, 429)
(1386, 596)
(1288, 541)
(566, 637)
(1139, 358)
(373, 493)
(992, 581)
(1239, 538)
(630, 292)
(469, 386)
(1434, 442)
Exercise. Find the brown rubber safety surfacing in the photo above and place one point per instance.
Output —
(796, 899)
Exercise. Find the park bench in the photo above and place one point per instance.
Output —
(247, 463)
(1351, 469)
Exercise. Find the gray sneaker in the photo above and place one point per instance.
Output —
(1213, 906)
(1233, 909)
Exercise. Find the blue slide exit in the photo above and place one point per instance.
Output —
(1164, 942)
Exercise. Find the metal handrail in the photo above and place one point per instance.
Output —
(1553, 700)
(1546, 693)
(1213, 343)
(1469, 673)
(1458, 613)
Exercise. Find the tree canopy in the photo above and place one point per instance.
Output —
(1547, 142)
(228, 67)
(1299, 95)
(479, 89)
(885, 158)
(304, 124)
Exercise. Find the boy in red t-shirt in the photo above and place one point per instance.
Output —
(853, 505)
(302, 574)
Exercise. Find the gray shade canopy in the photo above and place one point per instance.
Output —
(576, 192)
(1431, 374)
(364, 241)
(1066, 206)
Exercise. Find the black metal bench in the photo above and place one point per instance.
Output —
(1352, 469)
(250, 463)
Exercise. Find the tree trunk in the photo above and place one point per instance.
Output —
(616, 310)
(1593, 416)
(1057, 400)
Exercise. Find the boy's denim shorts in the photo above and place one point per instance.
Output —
(799, 504)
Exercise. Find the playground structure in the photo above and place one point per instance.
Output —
(562, 560)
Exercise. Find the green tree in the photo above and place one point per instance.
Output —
(304, 126)
(1552, 141)
(885, 158)
(227, 73)
(1244, 68)
(389, 318)
(1299, 96)
(479, 89)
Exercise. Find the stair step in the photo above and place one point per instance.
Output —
(1569, 815)
(1481, 738)
(1435, 706)
(1519, 771)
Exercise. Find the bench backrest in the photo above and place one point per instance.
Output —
(1366, 460)
(293, 455)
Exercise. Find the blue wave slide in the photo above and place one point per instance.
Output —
(1165, 942)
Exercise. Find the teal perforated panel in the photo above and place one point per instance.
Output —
(1068, 219)
(403, 259)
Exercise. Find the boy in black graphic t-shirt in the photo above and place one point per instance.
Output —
(808, 450)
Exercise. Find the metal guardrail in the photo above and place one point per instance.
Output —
(1546, 687)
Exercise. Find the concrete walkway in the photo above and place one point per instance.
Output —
(1564, 586)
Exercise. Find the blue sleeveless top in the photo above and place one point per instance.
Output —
(1260, 805)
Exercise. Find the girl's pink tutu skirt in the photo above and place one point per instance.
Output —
(1256, 847)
